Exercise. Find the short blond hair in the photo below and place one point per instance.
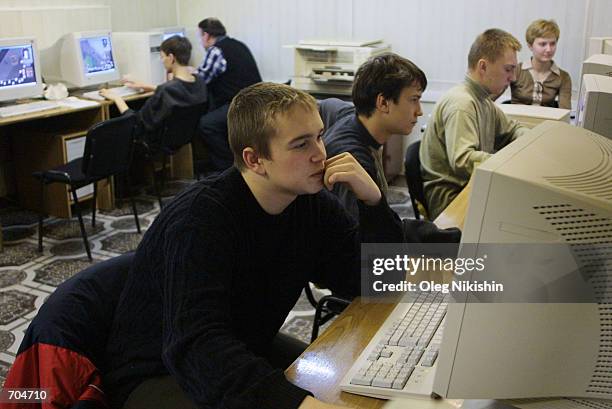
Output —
(491, 45)
(251, 119)
(542, 29)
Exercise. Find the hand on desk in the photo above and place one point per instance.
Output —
(109, 94)
(312, 403)
(138, 85)
(344, 168)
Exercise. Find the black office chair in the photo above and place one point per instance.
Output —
(108, 152)
(332, 109)
(326, 308)
(414, 180)
(176, 131)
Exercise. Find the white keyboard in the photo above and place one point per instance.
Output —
(400, 360)
(28, 108)
(121, 91)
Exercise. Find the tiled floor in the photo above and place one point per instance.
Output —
(27, 277)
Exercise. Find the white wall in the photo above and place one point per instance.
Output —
(435, 34)
(48, 20)
(135, 15)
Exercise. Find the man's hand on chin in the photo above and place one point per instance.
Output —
(344, 168)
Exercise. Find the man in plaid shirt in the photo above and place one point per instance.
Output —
(228, 67)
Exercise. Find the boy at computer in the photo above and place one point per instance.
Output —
(466, 127)
(387, 96)
(183, 90)
(223, 264)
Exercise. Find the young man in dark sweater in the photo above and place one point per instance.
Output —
(221, 267)
(183, 90)
(228, 66)
(386, 93)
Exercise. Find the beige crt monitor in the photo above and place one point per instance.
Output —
(552, 185)
(19, 69)
(599, 45)
(595, 104)
(81, 59)
(600, 64)
(532, 115)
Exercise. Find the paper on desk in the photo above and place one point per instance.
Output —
(74, 102)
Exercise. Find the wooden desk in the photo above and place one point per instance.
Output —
(323, 365)
(38, 142)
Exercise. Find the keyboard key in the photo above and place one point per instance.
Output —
(429, 358)
(362, 380)
(382, 382)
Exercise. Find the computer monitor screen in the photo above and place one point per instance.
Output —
(19, 71)
(550, 187)
(17, 66)
(97, 54)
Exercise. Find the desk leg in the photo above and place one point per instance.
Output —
(106, 194)
(181, 164)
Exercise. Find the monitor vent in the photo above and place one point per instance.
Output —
(590, 238)
(595, 181)
(578, 227)
(590, 403)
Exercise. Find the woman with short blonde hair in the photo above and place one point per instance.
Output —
(540, 81)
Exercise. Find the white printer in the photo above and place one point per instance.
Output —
(328, 67)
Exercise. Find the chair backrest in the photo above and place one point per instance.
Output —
(332, 109)
(179, 127)
(414, 179)
(109, 146)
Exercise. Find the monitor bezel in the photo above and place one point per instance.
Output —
(22, 91)
(96, 76)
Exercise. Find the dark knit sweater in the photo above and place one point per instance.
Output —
(213, 280)
(169, 95)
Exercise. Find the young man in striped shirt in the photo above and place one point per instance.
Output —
(228, 67)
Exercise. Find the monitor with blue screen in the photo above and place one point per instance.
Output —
(97, 53)
(19, 70)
